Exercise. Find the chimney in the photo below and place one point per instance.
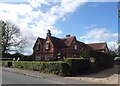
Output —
(48, 33)
(67, 35)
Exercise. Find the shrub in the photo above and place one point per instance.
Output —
(85, 53)
(102, 60)
(6, 63)
(58, 67)
(6, 55)
(117, 60)
(77, 64)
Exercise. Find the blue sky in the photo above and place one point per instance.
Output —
(92, 13)
(90, 22)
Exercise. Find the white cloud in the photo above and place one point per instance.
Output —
(33, 22)
(69, 6)
(112, 45)
(97, 35)
(37, 3)
(91, 26)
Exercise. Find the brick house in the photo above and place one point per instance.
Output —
(54, 47)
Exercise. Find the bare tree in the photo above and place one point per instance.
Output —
(12, 39)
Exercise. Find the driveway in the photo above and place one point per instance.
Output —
(108, 76)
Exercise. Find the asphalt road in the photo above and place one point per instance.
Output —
(16, 78)
(9, 77)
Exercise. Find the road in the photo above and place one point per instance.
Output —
(16, 78)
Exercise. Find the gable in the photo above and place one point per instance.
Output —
(39, 41)
(68, 40)
(99, 46)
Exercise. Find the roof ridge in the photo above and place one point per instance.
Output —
(98, 43)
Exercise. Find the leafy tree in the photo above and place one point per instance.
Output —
(85, 53)
(12, 39)
(112, 53)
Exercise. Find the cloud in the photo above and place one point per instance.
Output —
(37, 3)
(69, 6)
(100, 34)
(112, 45)
(33, 21)
(96, 35)
(91, 26)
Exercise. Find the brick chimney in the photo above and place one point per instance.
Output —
(48, 33)
(68, 35)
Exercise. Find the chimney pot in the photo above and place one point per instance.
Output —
(67, 35)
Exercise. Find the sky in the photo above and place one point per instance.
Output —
(90, 22)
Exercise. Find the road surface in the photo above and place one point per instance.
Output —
(16, 78)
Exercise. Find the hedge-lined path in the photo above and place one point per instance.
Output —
(48, 77)
(108, 76)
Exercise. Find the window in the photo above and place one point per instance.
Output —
(37, 47)
(47, 46)
(75, 47)
(37, 58)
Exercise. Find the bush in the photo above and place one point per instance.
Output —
(117, 60)
(85, 53)
(58, 68)
(77, 64)
(102, 60)
(6, 63)
(6, 55)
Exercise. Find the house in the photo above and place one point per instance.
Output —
(54, 47)
(101, 47)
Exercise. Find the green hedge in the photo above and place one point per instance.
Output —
(102, 60)
(85, 53)
(58, 68)
(6, 63)
(77, 65)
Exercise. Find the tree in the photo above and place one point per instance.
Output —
(112, 53)
(85, 53)
(118, 50)
(12, 40)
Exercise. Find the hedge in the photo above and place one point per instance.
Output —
(102, 60)
(6, 63)
(57, 68)
(77, 65)
(85, 53)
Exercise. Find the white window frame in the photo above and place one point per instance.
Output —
(75, 47)
(47, 46)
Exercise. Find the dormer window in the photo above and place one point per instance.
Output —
(75, 47)
(37, 47)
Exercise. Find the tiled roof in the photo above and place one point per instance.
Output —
(68, 40)
(97, 46)
(57, 42)
(61, 42)
(39, 39)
